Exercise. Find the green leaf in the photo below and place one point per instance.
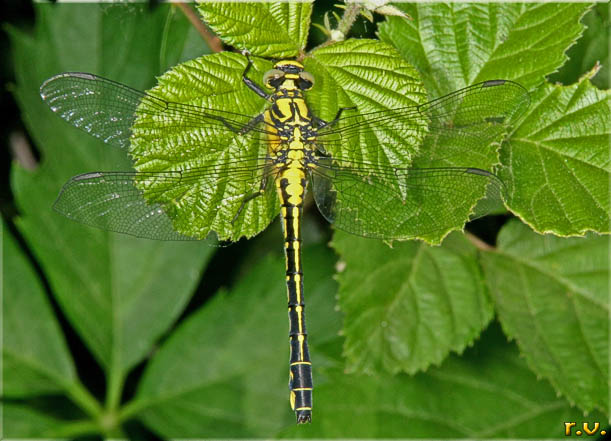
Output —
(35, 357)
(273, 30)
(487, 393)
(457, 44)
(212, 82)
(180, 40)
(415, 306)
(556, 169)
(233, 352)
(551, 295)
(556, 164)
(215, 82)
(22, 421)
(371, 76)
(591, 48)
(119, 293)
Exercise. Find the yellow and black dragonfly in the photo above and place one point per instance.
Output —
(261, 164)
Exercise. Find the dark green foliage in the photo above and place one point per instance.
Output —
(410, 352)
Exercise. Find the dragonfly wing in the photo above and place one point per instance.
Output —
(468, 118)
(402, 203)
(150, 204)
(111, 201)
(107, 109)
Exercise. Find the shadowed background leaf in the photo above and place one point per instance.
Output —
(489, 392)
(231, 378)
(551, 295)
(417, 305)
(119, 293)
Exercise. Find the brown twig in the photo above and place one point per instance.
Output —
(479, 244)
(214, 43)
(22, 151)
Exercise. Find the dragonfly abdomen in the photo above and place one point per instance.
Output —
(291, 185)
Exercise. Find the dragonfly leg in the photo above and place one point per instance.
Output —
(249, 198)
(322, 123)
(250, 83)
(252, 123)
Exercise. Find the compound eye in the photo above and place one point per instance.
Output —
(306, 80)
(272, 78)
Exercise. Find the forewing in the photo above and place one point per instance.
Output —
(402, 203)
(149, 204)
(464, 120)
(107, 109)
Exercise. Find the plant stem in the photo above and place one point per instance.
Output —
(351, 12)
(479, 244)
(214, 43)
(114, 389)
(131, 408)
(76, 429)
(350, 15)
(83, 399)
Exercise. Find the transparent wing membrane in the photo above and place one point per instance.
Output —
(402, 203)
(108, 110)
(144, 204)
(476, 113)
(448, 181)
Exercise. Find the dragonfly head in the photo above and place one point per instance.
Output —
(288, 74)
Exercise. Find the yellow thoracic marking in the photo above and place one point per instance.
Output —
(288, 63)
(284, 106)
(302, 107)
(295, 154)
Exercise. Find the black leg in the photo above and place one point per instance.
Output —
(252, 123)
(251, 84)
(322, 123)
(249, 198)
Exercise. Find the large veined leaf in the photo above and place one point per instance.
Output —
(457, 44)
(209, 204)
(551, 295)
(556, 167)
(34, 353)
(212, 201)
(591, 48)
(487, 393)
(417, 305)
(231, 379)
(557, 164)
(371, 76)
(119, 293)
(274, 30)
(21, 421)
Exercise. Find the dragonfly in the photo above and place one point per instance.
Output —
(375, 200)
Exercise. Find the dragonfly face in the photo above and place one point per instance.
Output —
(436, 194)
(288, 75)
